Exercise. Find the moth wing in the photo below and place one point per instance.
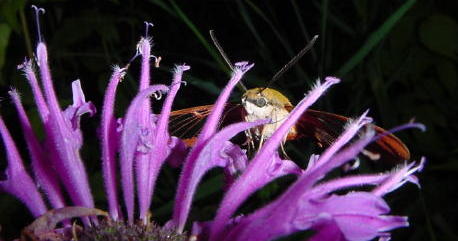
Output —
(186, 123)
(325, 127)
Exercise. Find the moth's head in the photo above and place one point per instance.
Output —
(264, 97)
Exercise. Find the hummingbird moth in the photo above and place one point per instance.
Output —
(262, 103)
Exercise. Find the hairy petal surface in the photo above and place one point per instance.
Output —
(18, 182)
(42, 168)
(399, 176)
(31, 77)
(109, 141)
(160, 143)
(134, 142)
(147, 123)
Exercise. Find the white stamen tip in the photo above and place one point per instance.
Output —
(147, 25)
(37, 20)
(38, 10)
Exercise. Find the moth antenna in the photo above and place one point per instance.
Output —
(37, 11)
(220, 49)
(147, 25)
(223, 54)
(291, 63)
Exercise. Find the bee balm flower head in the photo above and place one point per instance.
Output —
(136, 145)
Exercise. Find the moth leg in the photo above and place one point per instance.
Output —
(249, 141)
(261, 141)
(283, 151)
(371, 155)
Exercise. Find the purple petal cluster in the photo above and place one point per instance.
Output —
(135, 146)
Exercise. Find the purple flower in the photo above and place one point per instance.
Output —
(136, 146)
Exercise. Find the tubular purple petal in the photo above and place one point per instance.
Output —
(143, 162)
(160, 146)
(41, 167)
(162, 123)
(257, 174)
(67, 141)
(131, 144)
(144, 48)
(347, 182)
(29, 73)
(350, 131)
(109, 141)
(50, 95)
(18, 183)
(398, 177)
(211, 124)
(199, 162)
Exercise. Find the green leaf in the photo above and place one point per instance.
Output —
(207, 86)
(5, 32)
(8, 12)
(439, 33)
(375, 38)
(164, 6)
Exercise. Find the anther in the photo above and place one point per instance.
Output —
(37, 20)
(147, 25)
(157, 60)
(157, 95)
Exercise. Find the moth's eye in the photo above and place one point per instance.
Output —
(261, 102)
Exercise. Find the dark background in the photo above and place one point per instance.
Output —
(397, 58)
